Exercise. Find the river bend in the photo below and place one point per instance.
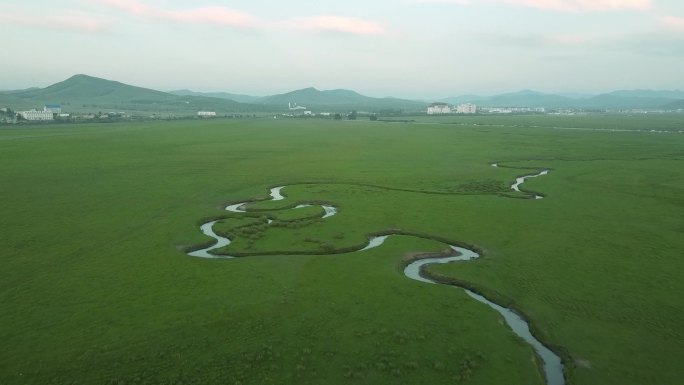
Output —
(552, 365)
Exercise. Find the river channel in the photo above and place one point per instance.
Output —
(552, 365)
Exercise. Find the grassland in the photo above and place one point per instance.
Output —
(96, 287)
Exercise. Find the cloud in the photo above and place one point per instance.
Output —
(673, 23)
(73, 22)
(217, 15)
(555, 5)
(336, 24)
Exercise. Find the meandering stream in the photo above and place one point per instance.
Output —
(208, 230)
(551, 363)
(520, 180)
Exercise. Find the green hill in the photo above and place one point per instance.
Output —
(339, 100)
(83, 93)
(240, 98)
(79, 87)
(86, 93)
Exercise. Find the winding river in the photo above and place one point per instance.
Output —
(520, 180)
(208, 230)
(552, 365)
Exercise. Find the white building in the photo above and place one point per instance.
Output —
(500, 110)
(515, 110)
(54, 108)
(438, 108)
(206, 114)
(37, 115)
(466, 108)
(294, 106)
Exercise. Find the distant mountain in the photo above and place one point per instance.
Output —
(528, 98)
(574, 95)
(677, 105)
(664, 94)
(82, 93)
(462, 99)
(221, 95)
(313, 97)
(617, 100)
(525, 98)
(9, 92)
(635, 99)
(339, 100)
(87, 93)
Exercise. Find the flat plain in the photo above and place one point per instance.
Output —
(97, 287)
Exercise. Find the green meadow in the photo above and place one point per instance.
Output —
(97, 288)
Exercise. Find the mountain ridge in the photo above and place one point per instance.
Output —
(338, 100)
(615, 100)
(240, 98)
(84, 92)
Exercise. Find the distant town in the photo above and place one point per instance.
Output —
(55, 114)
(470, 108)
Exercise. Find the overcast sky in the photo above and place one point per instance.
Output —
(405, 48)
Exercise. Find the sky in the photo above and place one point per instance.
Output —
(403, 48)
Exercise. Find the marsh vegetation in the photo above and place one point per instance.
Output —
(97, 287)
